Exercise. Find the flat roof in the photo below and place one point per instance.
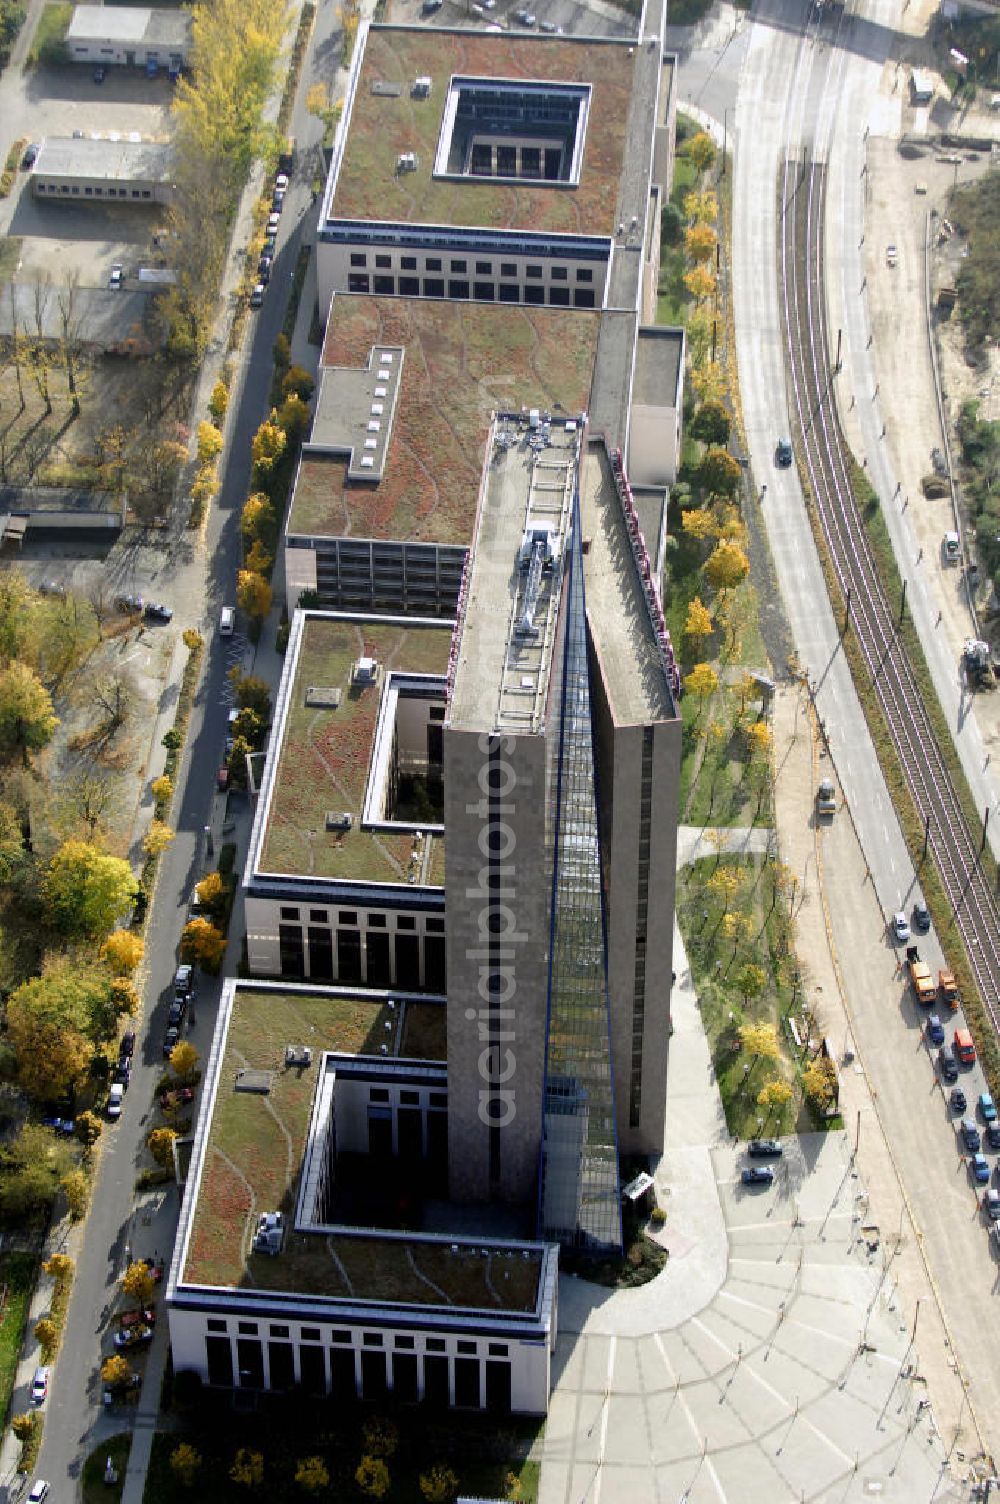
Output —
(105, 158)
(620, 623)
(658, 356)
(249, 1154)
(319, 757)
(508, 624)
(130, 23)
(385, 120)
(462, 362)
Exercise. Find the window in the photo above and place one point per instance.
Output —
(409, 287)
(408, 263)
(534, 294)
(432, 264)
(348, 916)
(434, 926)
(433, 287)
(405, 922)
(532, 270)
(409, 1098)
(310, 1334)
(559, 296)
(247, 1328)
(439, 1099)
(376, 921)
(289, 913)
(510, 292)
(457, 289)
(279, 1331)
(558, 273)
(340, 1337)
(498, 1349)
(436, 1345)
(405, 1342)
(359, 258)
(459, 266)
(318, 916)
(485, 292)
(508, 269)
(584, 274)
(372, 1339)
(583, 297)
(468, 1347)
(483, 268)
(88, 192)
(385, 261)
(357, 283)
(378, 1094)
(215, 1325)
(384, 285)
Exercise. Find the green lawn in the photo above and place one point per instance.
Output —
(95, 1490)
(17, 1280)
(49, 42)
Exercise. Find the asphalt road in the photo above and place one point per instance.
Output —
(198, 581)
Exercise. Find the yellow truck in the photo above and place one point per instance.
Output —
(920, 976)
(948, 989)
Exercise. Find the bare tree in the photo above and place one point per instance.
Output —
(71, 324)
(16, 342)
(113, 694)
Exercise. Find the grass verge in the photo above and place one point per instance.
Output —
(18, 1272)
(95, 1490)
(49, 42)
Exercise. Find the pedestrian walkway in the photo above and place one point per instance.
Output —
(695, 842)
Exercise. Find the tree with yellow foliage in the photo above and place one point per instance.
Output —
(701, 682)
(209, 442)
(726, 566)
(698, 522)
(700, 283)
(701, 207)
(700, 149)
(819, 1082)
(724, 883)
(700, 242)
(774, 1094)
(268, 446)
(709, 382)
(760, 1040)
(758, 737)
(203, 944)
(698, 622)
(157, 838)
(253, 594)
(122, 951)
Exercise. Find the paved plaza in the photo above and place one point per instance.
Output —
(770, 1360)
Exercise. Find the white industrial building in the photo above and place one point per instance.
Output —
(129, 36)
(78, 169)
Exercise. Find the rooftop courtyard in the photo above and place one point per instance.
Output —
(463, 362)
(390, 118)
(253, 1155)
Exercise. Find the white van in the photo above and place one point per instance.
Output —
(227, 622)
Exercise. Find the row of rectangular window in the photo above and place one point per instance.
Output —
(480, 292)
(383, 262)
(368, 1339)
(90, 192)
(432, 926)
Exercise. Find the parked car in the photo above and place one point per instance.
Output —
(921, 917)
(116, 1097)
(762, 1148)
(184, 981)
(156, 612)
(980, 1169)
(100, 73)
(176, 1014)
(281, 181)
(957, 1099)
(39, 1386)
(757, 1175)
(137, 1336)
(146, 1317)
(970, 1135)
(264, 269)
(550, 28)
(117, 279)
(277, 200)
(900, 927)
(51, 587)
(935, 1030)
(65, 1126)
(270, 246)
(30, 153)
(39, 1491)
(783, 454)
(524, 17)
(123, 1070)
(891, 255)
(257, 296)
(987, 1107)
(993, 1135)
(947, 1063)
(170, 1038)
(991, 1204)
(126, 1048)
(273, 221)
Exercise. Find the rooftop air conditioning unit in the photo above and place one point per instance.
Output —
(421, 87)
(406, 162)
(269, 1221)
(339, 819)
(268, 1242)
(298, 1054)
(365, 671)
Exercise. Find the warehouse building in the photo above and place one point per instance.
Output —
(105, 169)
(129, 36)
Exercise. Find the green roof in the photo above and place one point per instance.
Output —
(463, 361)
(253, 1158)
(387, 123)
(324, 753)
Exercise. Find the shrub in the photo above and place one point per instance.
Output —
(75, 1189)
(439, 1485)
(372, 1477)
(185, 1463)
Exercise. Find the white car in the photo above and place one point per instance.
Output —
(39, 1491)
(891, 255)
(900, 927)
(281, 181)
(117, 278)
(115, 1098)
(39, 1386)
(273, 221)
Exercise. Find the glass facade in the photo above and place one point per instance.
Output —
(579, 1187)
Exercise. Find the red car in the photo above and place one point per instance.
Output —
(136, 1318)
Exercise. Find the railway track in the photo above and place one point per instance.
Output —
(954, 846)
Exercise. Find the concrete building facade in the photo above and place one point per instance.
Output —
(129, 36)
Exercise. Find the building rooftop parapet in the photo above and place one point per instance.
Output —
(649, 590)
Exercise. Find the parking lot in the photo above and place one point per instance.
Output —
(57, 239)
(598, 20)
